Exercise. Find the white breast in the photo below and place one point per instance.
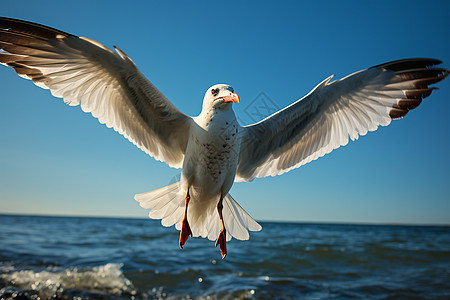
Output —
(212, 154)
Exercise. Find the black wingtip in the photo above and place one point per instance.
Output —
(408, 64)
(419, 74)
(30, 28)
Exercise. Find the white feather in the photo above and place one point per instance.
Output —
(110, 87)
(325, 119)
(167, 204)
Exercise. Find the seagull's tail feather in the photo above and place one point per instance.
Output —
(237, 220)
(167, 204)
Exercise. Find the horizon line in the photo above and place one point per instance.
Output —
(362, 223)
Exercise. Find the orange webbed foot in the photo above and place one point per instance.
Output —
(185, 232)
(185, 228)
(222, 241)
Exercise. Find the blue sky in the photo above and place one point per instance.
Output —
(55, 159)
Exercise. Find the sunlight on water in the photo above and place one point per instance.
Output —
(101, 258)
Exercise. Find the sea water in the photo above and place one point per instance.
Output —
(114, 258)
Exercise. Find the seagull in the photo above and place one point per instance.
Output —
(212, 149)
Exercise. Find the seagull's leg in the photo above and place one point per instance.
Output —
(185, 228)
(222, 239)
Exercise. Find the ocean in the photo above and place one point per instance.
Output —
(115, 258)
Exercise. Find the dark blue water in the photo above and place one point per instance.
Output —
(103, 258)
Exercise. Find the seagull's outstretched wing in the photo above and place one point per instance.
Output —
(104, 83)
(332, 113)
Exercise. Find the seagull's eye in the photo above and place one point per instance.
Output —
(214, 92)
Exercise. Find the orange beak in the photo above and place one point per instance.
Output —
(231, 98)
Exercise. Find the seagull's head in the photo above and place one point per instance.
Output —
(220, 96)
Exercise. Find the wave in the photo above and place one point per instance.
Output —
(107, 279)
(91, 258)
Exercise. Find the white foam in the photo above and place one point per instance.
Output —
(104, 279)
